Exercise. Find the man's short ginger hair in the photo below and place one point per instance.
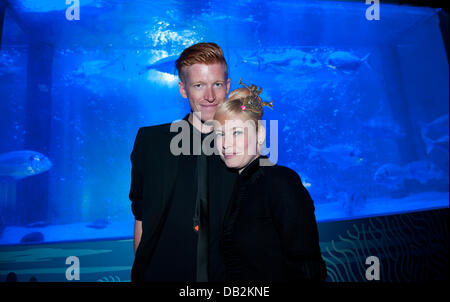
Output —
(201, 53)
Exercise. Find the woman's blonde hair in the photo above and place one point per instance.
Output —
(234, 105)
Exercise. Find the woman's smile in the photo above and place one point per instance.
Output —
(229, 155)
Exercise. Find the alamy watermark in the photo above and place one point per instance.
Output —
(73, 271)
(209, 144)
(73, 11)
(373, 11)
(373, 271)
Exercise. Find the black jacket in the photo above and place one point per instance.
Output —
(270, 231)
(153, 175)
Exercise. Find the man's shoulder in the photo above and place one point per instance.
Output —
(155, 128)
(161, 129)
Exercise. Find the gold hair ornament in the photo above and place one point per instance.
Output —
(253, 101)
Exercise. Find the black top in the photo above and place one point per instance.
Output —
(170, 262)
(269, 231)
(175, 251)
(174, 258)
(157, 175)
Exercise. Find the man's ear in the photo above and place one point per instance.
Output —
(228, 85)
(182, 88)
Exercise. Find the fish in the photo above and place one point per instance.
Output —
(306, 181)
(7, 64)
(166, 65)
(392, 175)
(38, 224)
(440, 143)
(389, 175)
(291, 61)
(342, 155)
(423, 171)
(345, 61)
(43, 88)
(96, 67)
(89, 68)
(435, 134)
(383, 127)
(98, 224)
(6, 59)
(24, 163)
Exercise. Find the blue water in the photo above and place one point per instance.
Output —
(361, 107)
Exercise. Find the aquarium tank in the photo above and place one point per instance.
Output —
(360, 103)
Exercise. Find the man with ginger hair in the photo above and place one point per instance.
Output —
(179, 200)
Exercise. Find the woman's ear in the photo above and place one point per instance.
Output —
(261, 136)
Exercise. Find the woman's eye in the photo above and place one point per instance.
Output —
(219, 134)
(237, 132)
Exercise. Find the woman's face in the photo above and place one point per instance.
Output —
(237, 141)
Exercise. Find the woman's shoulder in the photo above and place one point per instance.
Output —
(282, 175)
(286, 188)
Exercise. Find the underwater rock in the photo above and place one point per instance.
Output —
(33, 237)
(11, 277)
(33, 279)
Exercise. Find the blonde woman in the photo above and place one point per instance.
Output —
(269, 229)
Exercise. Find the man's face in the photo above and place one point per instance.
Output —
(206, 87)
